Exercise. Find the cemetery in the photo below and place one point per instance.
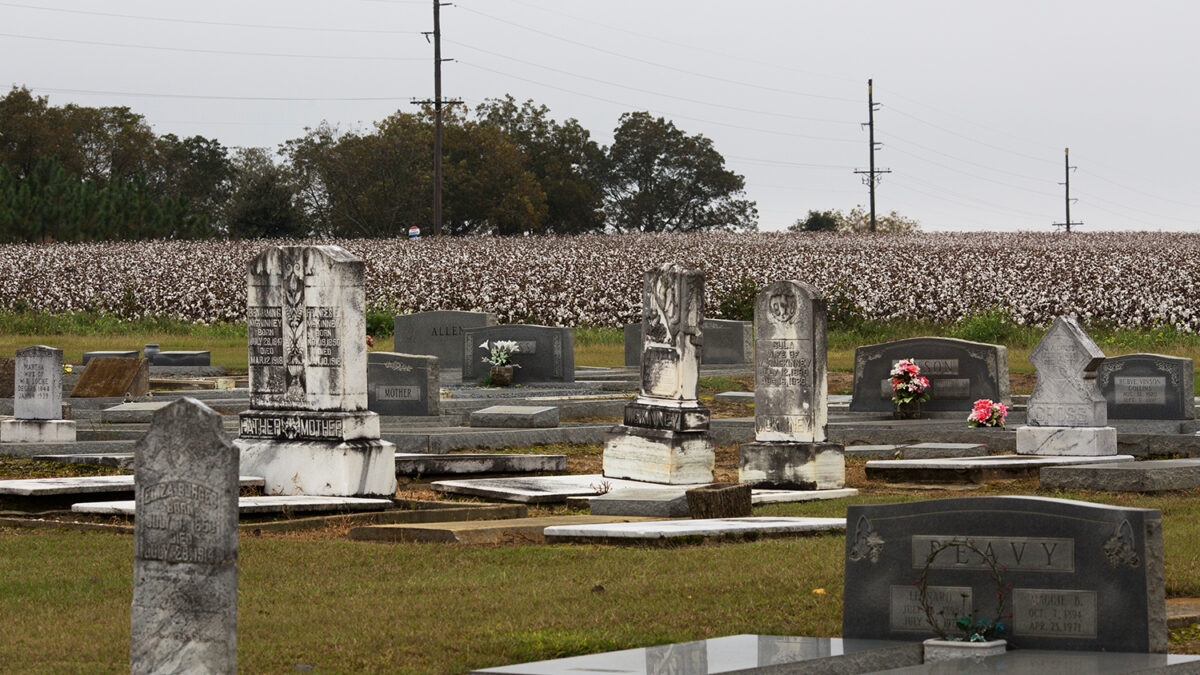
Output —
(694, 495)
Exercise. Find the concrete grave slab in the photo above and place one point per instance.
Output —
(706, 528)
(662, 502)
(742, 654)
(1045, 661)
(80, 485)
(873, 451)
(418, 464)
(1150, 476)
(515, 416)
(974, 469)
(538, 490)
(257, 505)
(513, 531)
(758, 497)
(735, 397)
(116, 460)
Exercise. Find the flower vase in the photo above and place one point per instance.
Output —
(502, 376)
(946, 650)
(907, 411)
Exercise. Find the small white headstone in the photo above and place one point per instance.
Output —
(37, 384)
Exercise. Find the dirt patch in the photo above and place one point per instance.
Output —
(1021, 383)
(841, 382)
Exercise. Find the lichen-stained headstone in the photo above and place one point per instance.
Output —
(672, 316)
(790, 389)
(184, 615)
(37, 384)
(1066, 393)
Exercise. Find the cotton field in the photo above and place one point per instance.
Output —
(1130, 279)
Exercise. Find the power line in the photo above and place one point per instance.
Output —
(95, 43)
(207, 23)
(972, 175)
(872, 175)
(97, 92)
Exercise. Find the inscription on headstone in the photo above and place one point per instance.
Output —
(438, 334)
(1147, 386)
(1066, 394)
(1083, 576)
(403, 384)
(184, 615)
(960, 372)
(37, 384)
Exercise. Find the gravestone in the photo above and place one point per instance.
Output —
(1067, 413)
(725, 342)
(308, 430)
(106, 377)
(438, 334)
(1148, 387)
(37, 399)
(665, 437)
(184, 615)
(157, 357)
(7, 370)
(403, 384)
(1076, 575)
(791, 408)
(118, 354)
(546, 354)
(960, 372)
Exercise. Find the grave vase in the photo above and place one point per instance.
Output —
(502, 376)
(907, 411)
(946, 650)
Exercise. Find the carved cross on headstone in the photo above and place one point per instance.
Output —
(1066, 394)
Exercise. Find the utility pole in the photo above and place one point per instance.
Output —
(1067, 189)
(871, 175)
(437, 102)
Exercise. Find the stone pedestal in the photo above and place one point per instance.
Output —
(37, 431)
(362, 468)
(1070, 441)
(783, 465)
(659, 455)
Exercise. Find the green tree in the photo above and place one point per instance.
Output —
(661, 179)
(818, 221)
(263, 200)
(859, 220)
(563, 158)
(196, 168)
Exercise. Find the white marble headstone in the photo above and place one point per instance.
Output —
(37, 384)
(790, 388)
(1066, 393)
(672, 314)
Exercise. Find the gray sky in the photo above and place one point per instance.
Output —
(978, 99)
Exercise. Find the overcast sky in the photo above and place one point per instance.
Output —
(978, 99)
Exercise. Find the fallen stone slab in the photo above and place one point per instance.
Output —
(975, 469)
(256, 505)
(873, 451)
(1149, 476)
(667, 530)
(665, 502)
(515, 417)
(81, 485)
(515, 531)
(939, 450)
(417, 464)
(735, 397)
(794, 496)
(541, 489)
(77, 447)
(116, 460)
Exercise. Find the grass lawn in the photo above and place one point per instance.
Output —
(317, 599)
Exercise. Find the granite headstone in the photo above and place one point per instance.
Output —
(960, 372)
(438, 334)
(184, 615)
(1148, 387)
(726, 342)
(1075, 575)
(791, 406)
(308, 430)
(665, 437)
(403, 384)
(1067, 413)
(545, 353)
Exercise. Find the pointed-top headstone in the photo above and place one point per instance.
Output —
(1066, 393)
(184, 615)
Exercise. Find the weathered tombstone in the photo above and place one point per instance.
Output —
(546, 354)
(665, 437)
(308, 430)
(7, 369)
(438, 334)
(1067, 413)
(1075, 575)
(1148, 387)
(960, 372)
(725, 342)
(184, 614)
(403, 384)
(37, 399)
(791, 407)
(106, 377)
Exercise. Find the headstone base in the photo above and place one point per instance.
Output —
(37, 431)
(792, 466)
(670, 415)
(363, 468)
(1067, 441)
(659, 455)
(305, 425)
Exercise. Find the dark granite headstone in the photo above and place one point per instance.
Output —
(725, 342)
(1148, 387)
(181, 358)
(960, 372)
(184, 616)
(438, 334)
(403, 384)
(1083, 576)
(106, 377)
(547, 354)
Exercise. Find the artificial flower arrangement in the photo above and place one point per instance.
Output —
(500, 352)
(987, 413)
(907, 384)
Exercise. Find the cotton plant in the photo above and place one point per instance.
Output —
(500, 352)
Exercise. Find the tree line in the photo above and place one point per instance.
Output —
(76, 173)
